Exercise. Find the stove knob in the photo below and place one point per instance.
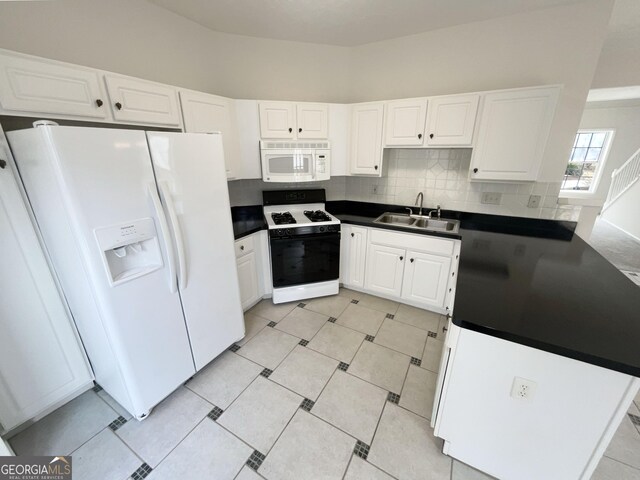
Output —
(279, 232)
(289, 231)
(322, 229)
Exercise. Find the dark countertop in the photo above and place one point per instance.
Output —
(535, 283)
(247, 220)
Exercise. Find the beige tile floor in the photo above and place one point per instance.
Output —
(340, 387)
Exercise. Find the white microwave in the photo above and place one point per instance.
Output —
(287, 162)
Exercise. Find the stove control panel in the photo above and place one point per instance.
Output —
(306, 230)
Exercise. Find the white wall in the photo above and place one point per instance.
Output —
(135, 37)
(625, 120)
(623, 213)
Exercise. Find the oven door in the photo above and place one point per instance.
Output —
(305, 259)
(288, 166)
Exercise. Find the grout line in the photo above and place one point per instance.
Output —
(623, 463)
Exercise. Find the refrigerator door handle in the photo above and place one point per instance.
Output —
(164, 228)
(177, 233)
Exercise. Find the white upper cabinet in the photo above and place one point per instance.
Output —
(277, 120)
(248, 130)
(513, 128)
(450, 120)
(405, 122)
(204, 113)
(287, 120)
(37, 86)
(312, 120)
(339, 121)
(366, 139)
(140, 101)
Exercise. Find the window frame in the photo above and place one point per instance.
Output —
(602, 160)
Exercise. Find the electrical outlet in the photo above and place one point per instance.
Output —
(492, 198)
(523, 389)
(534, 201)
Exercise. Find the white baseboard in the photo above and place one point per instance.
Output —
(620, 229)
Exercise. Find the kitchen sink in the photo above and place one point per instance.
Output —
(395, 218)
(419, 222)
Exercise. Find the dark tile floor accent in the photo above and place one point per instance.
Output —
(393, 398)
(97, 388)
(307, 405)
(143, 471)
(343, 366)
(302, 305)
(390, 315)
(303, 342)
(332, 319)
(635, 419)
(117, 423)
(369, 338)
(234, 348)
(354, 301)
(271, 324)
(361, 450)
(215, 413)
(416, 361)
(266, 372)
(255, 460)
(432, 334)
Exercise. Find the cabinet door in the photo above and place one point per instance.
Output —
(248, 279)
(512, 134)
(425, 278)
(41, 360)
(450, 120)
(312, 120)
(366, 139)
(277, 120)
(405, 122)
(204, 113)
(248, 129)
(384, 269)
(139, 101)
(41, 87)
(355, 256)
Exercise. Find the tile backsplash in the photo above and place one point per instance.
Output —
(442, 176)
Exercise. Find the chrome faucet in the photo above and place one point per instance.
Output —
(421, 197)
(437, 210)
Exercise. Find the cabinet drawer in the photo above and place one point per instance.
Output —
(423, 243)
(245, 245)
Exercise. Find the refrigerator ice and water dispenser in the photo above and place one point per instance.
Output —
(129, 250)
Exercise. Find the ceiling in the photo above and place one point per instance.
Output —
(343, 22)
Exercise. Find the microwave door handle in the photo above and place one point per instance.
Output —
(313, 166)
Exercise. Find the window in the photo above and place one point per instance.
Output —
(586, 161)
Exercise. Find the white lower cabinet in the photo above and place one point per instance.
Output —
(254, 269)
(384, 269)
(353, 256)
(426, 278)
(419, 270)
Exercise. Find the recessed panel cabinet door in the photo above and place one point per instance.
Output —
(512, 134)
(451, 119)
(41, 359)
(425, 278)
(42, 87)
(354, 255)
(312, 120)
(405, 122)
(384, 269)
(277, 120)
(204, 113)
(139, 101)
(248, 279)
(366, 139)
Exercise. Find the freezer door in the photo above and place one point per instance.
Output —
(93, 192)
(190, 171)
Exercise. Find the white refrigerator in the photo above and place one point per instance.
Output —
(138, 228)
